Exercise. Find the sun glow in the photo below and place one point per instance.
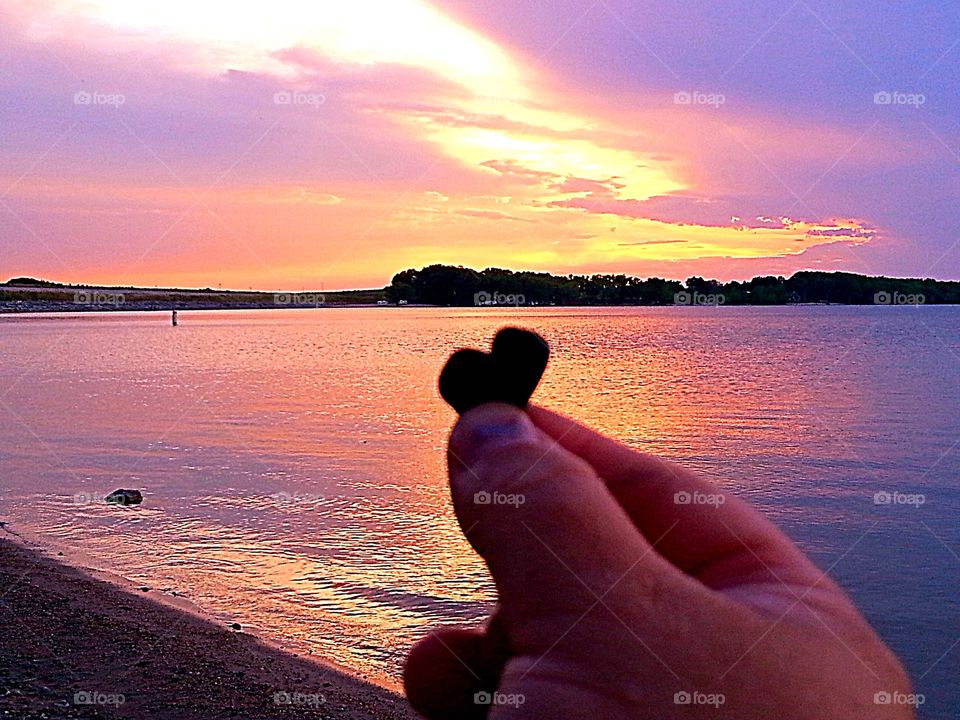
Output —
(406, 32)
(637, 177)
(540, 174)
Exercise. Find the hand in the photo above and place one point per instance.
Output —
(617, 599)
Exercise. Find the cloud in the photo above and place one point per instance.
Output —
(842, 232)
(491, 215)
(667, 241)
(518, 173)
(396, 150)
(577, 185)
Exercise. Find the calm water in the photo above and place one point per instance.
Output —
(293, 469)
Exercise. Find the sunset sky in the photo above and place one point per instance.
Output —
(293, 144)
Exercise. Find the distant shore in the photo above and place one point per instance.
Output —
(448, 286)
(80, 648)
(73, 299)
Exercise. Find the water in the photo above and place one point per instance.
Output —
(292, 461)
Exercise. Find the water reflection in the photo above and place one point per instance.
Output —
(293, 461)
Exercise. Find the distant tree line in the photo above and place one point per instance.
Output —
(31, 282)
(458, 286)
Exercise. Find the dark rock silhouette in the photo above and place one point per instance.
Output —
(125, 497)
(509, 373)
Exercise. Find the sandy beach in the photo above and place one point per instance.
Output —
(75, 646)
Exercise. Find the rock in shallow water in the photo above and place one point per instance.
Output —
(125, 497)
(509, 373)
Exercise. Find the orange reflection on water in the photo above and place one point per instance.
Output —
(293, 461)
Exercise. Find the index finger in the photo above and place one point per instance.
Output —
(705, 531)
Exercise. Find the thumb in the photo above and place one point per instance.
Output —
(556, 541)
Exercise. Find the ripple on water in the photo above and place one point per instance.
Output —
(294, 472)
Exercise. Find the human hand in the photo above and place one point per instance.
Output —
(617, 599)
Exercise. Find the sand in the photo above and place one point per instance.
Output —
(76, 646)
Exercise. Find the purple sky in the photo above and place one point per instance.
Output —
(723, 139)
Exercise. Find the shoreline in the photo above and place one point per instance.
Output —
(68, 311)
(84, 310)
(26, 299)
(67, 630)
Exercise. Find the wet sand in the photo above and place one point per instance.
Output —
(75, 646)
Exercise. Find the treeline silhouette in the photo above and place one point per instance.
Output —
(460, 286)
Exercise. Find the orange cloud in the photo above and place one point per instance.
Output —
(464, 156)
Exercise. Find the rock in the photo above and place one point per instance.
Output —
(125, 497)
(520, 357)
(509, 373)
(466, 381)
(235, 626)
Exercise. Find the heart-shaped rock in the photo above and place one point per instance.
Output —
(509, 373)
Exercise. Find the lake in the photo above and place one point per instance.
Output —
(293, 461)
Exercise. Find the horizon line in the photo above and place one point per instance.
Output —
(42, 282)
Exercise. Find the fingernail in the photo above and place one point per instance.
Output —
(481, 430)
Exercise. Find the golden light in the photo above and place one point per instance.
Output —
(639, 177)
(407, 32)
(538, 138)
